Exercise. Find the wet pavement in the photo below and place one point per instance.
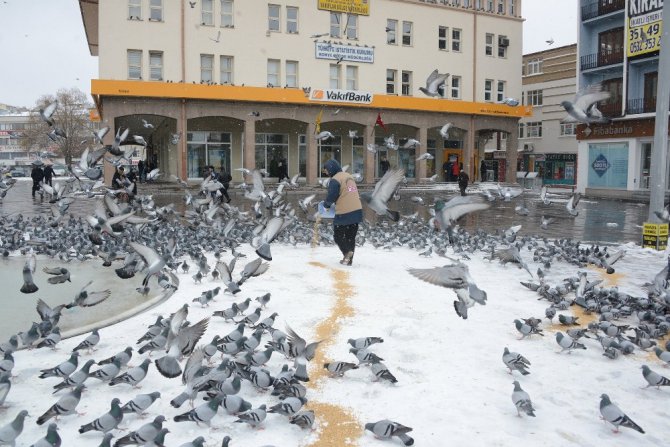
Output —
(605, 221)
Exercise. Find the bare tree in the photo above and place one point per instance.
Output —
(71, 116)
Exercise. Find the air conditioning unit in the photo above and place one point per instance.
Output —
(503, 41)
(528, 147)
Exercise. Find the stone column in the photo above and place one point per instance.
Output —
(512, 154)
(422, 149)
(369, 138)
(469, 150)
(181, 146)
(312, 156)
(249, 160)
(108, 169)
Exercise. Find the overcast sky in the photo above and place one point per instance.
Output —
(44, 45)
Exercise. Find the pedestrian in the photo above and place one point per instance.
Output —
(132, 178)
(446, 170)
(119, 178)
(140, 168)
(384, 166)
(283, 169)
(225, 179)
(37, 175)
(454, 171)
(463, 179)
(482, 171)
(48, 174)
(342, 192)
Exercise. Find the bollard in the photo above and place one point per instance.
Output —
(655, 235)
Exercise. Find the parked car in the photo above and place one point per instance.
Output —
(59, 170)
(16, 172)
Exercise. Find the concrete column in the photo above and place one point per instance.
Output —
(369, 138)
(108, 169)
(469, 150)
(249, 161)
(512, 154)
(312, 156)
(181, 147)
(422, 149)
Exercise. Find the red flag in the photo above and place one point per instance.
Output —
(379, 121)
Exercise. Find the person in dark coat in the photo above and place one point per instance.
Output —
(463, 179)
(37, 174)
(282, 169)
(48, 174)
(140, 168)
(342, 192)
(225, 178)
(384, 166)
(132, 178)
(482, 171)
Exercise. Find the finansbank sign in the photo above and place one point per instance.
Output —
(334, 95)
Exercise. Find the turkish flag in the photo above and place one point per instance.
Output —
(379, 121)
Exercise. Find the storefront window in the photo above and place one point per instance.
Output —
(407, 159)
(608, 165)
(646, 165)
(302, 155)
(207, 148)
(556, 169)
(271, 149)
(358, 156)
(332, 148)
(430, 164)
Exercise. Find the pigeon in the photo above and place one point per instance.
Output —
(47, 113)
(202, 413)
(386, 429)
(525, 330)
(123, 357)
(28, 270)
(5, 386)
(144, 434)
(364, 342)
(447, 213)
(200, 442)
(653, 378)
(662, 355)
(567, 343)
(515, 361)
(522, 401)
(289, 406)
(303, 419)
(61, 274)
(433, 83)
(444, 130)
(30, 337)
(337, 369)
(88, 299)
(324, 135)
(76, 378)
(51, 340)
(89, 342)
(140, 403)
(66, 405)
(11, 431)
(425, 156)
(381, 371)
(384, 189)
(456, 277)
(62, 370)
(543, 195)
(108, 421)
(253, 417)
(107, 371)
(545, 221)
(181, 342)
(567, 320)
(159, 440)
(571, 205)
(613, 414)
(133, 376)
(51, 439)
(583, 108)
(512, 102)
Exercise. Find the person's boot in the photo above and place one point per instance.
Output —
(348, 258)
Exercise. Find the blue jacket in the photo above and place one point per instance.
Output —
(332, 167)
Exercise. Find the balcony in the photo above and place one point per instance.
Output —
(611, 109)
(601, 59)
(601, 7)
(640, 105)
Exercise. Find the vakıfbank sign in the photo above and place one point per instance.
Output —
(361, 7)
(644, 26)
(332, 95)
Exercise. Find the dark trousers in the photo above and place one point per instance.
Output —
(345, 237)
(462, 187)
(224, 193)
(47, 180)
(36, 187)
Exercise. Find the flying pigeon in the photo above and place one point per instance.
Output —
(583, 108)
(377, 200)
(433, 83)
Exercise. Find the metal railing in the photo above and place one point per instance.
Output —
(610, 109)
(601, 59)
(601, 7)
(640, 105)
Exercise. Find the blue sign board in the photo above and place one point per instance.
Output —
(608, 165)
(600, 165)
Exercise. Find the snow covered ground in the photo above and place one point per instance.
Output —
(452, 389)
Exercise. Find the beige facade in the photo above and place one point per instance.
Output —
(236, 70)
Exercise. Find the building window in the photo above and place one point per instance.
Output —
(534, 129)
(291, 20)
(206, 148)
(335, 76)
(134, 64)
(407, 33)
(534, 97)
(501, 7)
(391, 29)
(206, 67)
(352, 77)
(270, 148)
(335, 28)
(207, 12)
(135, 9)
(488, 44)
(273, 73)
(512, 9)
(503, 42)
(156, 65)
(443, 38)
(568, 129)
(292, 74)
(456, 87)
(488, 89)
(391, 76)
(456, 40)
(521, 126)
(501, 91)
(406, 88)
(227, 14)
(352, 27)
(489, 5)
(273, 17)
(534, 66)
(156, 10)
(226, 69)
